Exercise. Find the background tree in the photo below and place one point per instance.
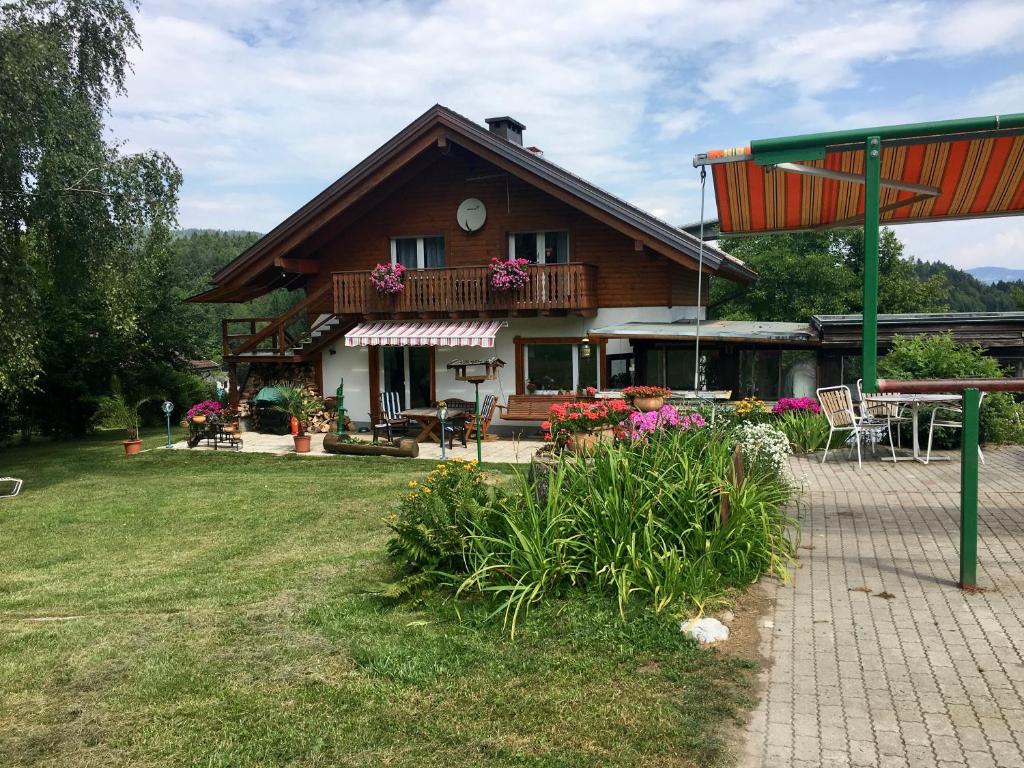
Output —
(815, 273)
(197, 255)
(84, 229)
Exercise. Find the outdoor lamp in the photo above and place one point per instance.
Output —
(442, 416)
(585, 347)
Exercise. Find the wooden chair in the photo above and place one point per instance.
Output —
(487, 409)
(390, 418)
(837, 405)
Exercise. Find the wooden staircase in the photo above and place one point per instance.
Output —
(294, 337)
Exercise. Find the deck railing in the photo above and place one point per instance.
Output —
(552, 287)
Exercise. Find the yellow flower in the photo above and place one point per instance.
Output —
(425, 489)
(412, 483)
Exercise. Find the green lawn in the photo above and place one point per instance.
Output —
(225, 616)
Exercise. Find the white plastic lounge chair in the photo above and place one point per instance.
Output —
(13, 491)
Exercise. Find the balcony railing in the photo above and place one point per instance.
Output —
(458, 290)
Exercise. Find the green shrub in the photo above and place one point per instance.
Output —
(941, 357)
(640, 521)
(805, 431)
(433, 523)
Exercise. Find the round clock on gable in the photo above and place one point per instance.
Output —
(471, 214)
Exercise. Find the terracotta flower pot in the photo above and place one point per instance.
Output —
(199, 419)
(646, 404)
(585, 442)
(301, 443)
(132, 447)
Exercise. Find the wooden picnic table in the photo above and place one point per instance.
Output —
(430, 425)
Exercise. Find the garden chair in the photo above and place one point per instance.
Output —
(14, 490)
(487, 409)
(457, 426)
(892, 413)
(953, 418)
(390, 418)
(837, 405)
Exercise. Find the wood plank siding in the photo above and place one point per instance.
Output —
(422, 201)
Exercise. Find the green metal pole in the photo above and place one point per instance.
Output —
(479, 444)
(340, 395)
(969, 490)
(888, 132)
(872, 179)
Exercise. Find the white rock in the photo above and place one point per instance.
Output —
(705, 631)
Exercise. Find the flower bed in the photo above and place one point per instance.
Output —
(640, 425)
(640, 521)
(568, 419)
(508, 275)
(796, 404)
(388, 279)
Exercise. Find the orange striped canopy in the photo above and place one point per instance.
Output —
(924, 179)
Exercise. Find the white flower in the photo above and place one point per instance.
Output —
(764, 446)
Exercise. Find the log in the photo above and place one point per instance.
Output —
(406, 447)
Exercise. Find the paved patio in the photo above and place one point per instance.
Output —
(876, 658)
(506, 450)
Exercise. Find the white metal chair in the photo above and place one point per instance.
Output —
(837, 405)
(893, 413)
(954, 420)
(15, 489)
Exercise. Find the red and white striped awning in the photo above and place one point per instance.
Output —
(437, 333)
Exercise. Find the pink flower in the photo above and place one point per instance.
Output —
(508, 275)
(787, 404)
(387, 278)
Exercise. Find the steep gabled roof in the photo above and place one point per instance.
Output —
(660, 235)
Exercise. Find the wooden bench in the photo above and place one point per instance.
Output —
(535, 407)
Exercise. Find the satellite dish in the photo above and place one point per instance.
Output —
(471, 214)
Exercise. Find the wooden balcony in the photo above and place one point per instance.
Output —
(553, 289)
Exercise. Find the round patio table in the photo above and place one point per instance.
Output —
(915, 402)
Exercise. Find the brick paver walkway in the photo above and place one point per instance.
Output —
(876, 657)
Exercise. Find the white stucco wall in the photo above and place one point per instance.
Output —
(353, 362)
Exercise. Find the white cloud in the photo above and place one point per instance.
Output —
(259, 99)
(673, 124)
(971, 27)
(997, 242)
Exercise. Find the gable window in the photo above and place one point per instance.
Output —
(540, 247)
(418, 252)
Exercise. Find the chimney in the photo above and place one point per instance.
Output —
(506, 128)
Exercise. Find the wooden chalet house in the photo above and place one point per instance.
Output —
(442, 198)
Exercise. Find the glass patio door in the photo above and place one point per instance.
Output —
(406, 370)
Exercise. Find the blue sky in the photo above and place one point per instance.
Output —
(264, 102)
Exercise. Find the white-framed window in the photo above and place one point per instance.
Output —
(551, 247)
(549, 369)
(418, 252)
